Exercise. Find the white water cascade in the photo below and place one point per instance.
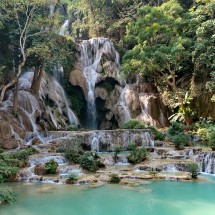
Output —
(145, 116)
(122, 103)
(61, 100)
(64, 28)
(91, 54)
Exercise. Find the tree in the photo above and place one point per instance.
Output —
(160, 47)
(24, 15)
(203, 24)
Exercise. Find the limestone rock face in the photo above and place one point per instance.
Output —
(140, 101)
(11, 133)
(77, 79)
(132, 101)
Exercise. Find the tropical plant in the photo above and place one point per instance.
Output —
(117, 150)
(175, 129)
(7, 196)
(115, 179)
(72, 178)
(184, 112)
(212, 140)
(180, 140)
(133, 124)
(51, 167)
(137, 155)
(193, 169)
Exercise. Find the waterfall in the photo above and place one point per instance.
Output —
(144, 103)
(61, 101)
(122, 103)
(91, 54)
(64, 28)
(107, 140)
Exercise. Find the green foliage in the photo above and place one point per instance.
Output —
(133, 124)
(72, 178)
(132, 146)
(180, 140)
(1, 178)
(10, 163)
(175, 129)
(23, 155)
(193, 169)
(73, 151)
(184, 110)
(7, 196)
(205, 128)
(72, 128)
(139, 126)
(212, 139)
(157, 134)
(204, 134)
(137, 155)
(90, 162)
(51, 167)
(115, 179)
(117, 150)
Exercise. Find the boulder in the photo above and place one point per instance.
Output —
(40, 169)
(11, 132)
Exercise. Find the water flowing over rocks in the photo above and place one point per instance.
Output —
(48, 112)
(107, 140)
(110, 101)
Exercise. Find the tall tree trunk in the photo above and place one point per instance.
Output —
(15, 97)
(12, 82)
(38, 74)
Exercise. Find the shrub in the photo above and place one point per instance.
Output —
(132, 146)
(1, 150)
(117, 150)
(10, 163)
(72, 178)
(7, 196)
(180, 140)
(1, 178)
(72, 128)
(175, 129)
(115, 179)
(157, 134)
(51, 167)
(212, 140)
(193, 169)
(131, 124)
(89, 162)
(204, 134)
(73, 151)
(23, 155)
(7, 172)
(137, 155)
(60, 150)
(139, 126)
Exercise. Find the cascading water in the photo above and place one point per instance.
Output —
(122, 103)
(91, 54)
(64, 28)
(61, 101)
(145, 116)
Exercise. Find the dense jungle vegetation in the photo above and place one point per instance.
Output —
(170, 43)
